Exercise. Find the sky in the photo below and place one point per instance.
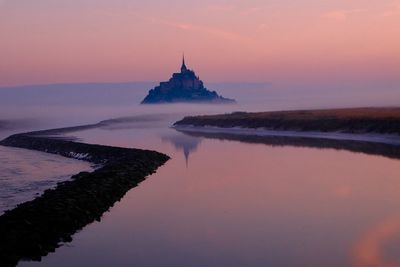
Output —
(354, 43)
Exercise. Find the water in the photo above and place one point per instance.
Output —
(26, 174)
(229, 203)
(222, 202)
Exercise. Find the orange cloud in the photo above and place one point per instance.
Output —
(250, 11)
(220, 8)
(207, 30)
(341, 15)
(393, 9)
(238, 10)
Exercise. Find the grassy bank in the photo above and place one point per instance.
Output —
(356, 120)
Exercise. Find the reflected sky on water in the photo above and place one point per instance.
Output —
(218, 201)
(243, 204)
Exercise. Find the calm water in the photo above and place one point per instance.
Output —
(229, 203)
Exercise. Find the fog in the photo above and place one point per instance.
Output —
(59, 105)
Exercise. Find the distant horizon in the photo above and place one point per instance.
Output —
(264, 83)
(311, 43)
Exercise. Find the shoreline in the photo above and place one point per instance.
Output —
(389, 139)
(374, 131)
(378, 125)
(350, 120)
(35, 228)
(368, 148)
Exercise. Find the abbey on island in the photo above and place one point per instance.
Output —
(183, 86)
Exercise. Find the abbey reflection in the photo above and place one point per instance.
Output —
(185, 143)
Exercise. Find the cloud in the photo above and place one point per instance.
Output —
(203, 29)
(246, 11)
(341, 15)
(250, 11)
(393, 9)
(220, 8)
(262, 27)
(233, 36)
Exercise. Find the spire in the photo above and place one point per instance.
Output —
(183, 68)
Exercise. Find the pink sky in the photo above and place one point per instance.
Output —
(311, 41)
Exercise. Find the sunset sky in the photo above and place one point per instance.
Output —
(306, 41)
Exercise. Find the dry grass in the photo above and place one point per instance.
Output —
(354, 120)
(349, 113)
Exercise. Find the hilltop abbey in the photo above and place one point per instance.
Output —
(184, 86)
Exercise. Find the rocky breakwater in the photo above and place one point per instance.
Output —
(35, 228)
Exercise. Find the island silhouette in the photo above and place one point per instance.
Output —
(182, 87)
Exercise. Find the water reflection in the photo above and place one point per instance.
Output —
(386, 150)
(239, 204)
(372, 248)
(188, 144)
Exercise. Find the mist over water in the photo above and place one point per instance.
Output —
(42, 106)
(218, 201)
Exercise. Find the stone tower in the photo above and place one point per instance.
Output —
(183, 68)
